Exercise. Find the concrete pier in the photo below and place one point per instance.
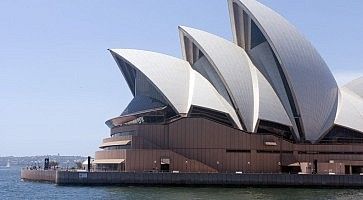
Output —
(195, 179)
(39, 175)
(208, 179)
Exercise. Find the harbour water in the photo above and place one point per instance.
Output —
(11, 187)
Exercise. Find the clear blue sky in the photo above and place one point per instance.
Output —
(58, 83)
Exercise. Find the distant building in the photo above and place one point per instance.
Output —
(265, 103)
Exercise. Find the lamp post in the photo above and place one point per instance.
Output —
(217, 166)
(155, 168)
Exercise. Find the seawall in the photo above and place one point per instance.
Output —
(195, 179)
(208, 179)
(39, 175)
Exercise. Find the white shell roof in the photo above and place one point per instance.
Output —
(350, 114)
(205, 95)
(313, 87)
(161, 70)
(177, 81)
(271, 108)
(356, 86)
(235, 71)
(253, 94)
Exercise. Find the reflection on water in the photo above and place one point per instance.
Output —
(11, 187)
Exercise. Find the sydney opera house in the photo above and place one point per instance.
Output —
(264, 103)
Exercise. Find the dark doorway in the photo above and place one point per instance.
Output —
(122, 167)
(315, 170)
(357, 169)
(347, 169)
(165, 164)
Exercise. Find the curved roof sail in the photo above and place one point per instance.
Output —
(160, 69)
(251, 93)
(356, 86)
(271, 108)
(175, 80)
(301, 74)
(233, 69)
(350, 112)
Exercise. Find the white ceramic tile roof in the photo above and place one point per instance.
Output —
(177, 81)
(313, 87)
(230, 62)
(251, 92)
(350, 114)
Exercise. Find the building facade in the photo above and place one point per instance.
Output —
(264, 103)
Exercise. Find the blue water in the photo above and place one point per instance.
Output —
(11, 187)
